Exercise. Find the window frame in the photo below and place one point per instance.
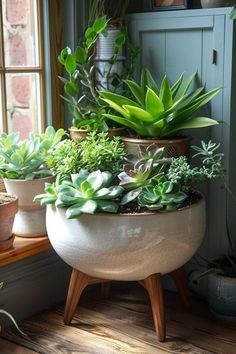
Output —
(40, 70)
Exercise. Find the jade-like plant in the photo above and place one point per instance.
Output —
(25, 159)
(84, 194)
(80, 86)
(159, 111)
(96, 152)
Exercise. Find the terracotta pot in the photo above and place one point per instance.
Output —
(7, 214)
(2, 186)
(30, 221)
(125, 246)
(81, 133)
(174, 147)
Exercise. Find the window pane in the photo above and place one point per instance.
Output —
(23, 103)
(20, 33)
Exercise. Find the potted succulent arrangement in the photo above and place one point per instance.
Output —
(8, 209)
(23, 169)
(158, 114)
(112, 224)
(7, 314)
(84, 78)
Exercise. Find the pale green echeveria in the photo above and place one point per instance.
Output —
(86, 193)
(161, 195)
(25, 159)
(159, 112)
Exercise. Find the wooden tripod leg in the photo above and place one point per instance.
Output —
(154, 288)
(180, 279)
(105, 290)
(78, 282)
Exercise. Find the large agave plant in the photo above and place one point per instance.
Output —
(159, 112)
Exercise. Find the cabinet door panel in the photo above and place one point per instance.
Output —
(187, 41)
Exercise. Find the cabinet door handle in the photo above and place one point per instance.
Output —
(213, 56)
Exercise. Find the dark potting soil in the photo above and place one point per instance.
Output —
(5, 198)
(134, 208)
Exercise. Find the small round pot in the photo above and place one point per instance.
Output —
(30, 221)
(222, 296)
(127, 246)
(8, 210)
(81, 133)
(217, 3)
(174, 147)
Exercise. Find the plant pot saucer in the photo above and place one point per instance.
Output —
(83, 133)
(6, 244)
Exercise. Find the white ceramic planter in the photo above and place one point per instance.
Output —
(222, 296)
(30, 221)
(127, 247)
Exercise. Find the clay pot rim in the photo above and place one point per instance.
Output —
(88, 131)
(155, 140)
(13, 196)
(27, 180)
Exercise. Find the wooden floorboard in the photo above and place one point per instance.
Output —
(123, 324)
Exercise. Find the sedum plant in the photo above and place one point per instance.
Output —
(26, 159)
(96, 152)
(80, 86)
(181, 172)
(84, 194)
(159, 111)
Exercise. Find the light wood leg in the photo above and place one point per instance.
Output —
(78, 282)
(180, 279)
(154, 288)
(105, 290)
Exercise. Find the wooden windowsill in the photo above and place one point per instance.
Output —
(23, 248)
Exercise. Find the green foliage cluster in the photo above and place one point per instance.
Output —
(181, 172)
(96, 152)
(149, 180)
(80, 87)
(25, 159)
(159, 111)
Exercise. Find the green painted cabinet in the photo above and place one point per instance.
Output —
(202, 40)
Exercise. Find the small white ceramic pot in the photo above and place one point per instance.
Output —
(30, 220)
(124, 246)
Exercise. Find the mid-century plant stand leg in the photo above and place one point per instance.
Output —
(152, 284)
(179, 277)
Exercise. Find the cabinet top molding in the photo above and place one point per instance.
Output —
(180, 13)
